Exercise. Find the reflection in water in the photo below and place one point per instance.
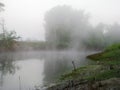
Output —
(17, 71)
(34, 67)
(7, 66)
(59, 63)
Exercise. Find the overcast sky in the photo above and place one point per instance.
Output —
(26, 17)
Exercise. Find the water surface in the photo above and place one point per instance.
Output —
(28, 70)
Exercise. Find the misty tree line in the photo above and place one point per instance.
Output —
(66, 28)
(7, 38)
(69, 28)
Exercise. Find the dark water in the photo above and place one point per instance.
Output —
(28, 70)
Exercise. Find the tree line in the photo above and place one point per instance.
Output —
(68, 28)
(8, 39)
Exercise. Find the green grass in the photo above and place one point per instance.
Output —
(81, 72)
(113, 47)
(93, 73)
(105, 75)
(109, 57)
(110, 53)
(107, 66)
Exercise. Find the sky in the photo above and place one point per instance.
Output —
(26, 17)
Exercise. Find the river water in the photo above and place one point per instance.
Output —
(31, 70)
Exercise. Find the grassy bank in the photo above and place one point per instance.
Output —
(106, 67)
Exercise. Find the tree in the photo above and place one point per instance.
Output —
(7, 38)
(112, 35)
(65, 27)
(96, 38)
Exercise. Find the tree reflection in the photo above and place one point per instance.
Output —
(7, 66)
(56, 65)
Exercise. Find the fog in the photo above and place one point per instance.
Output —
(25, 16)
(68, 28)
(36, 68)
(45, 37)
(61, 25)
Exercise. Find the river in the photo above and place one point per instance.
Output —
(34, 69)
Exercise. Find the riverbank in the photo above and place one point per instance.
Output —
(103, 74)
(109, 84)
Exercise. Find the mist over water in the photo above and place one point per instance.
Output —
(68, 37)
(36, 69)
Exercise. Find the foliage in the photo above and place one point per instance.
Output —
(113, 47)
(95, 41)
(105, 75)
(81, 72)
(106, 67)
(32, 45)
(65, 27)
(69, 28)
(96, 38)
(112, 36)
(8, 40)
(110, 53)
